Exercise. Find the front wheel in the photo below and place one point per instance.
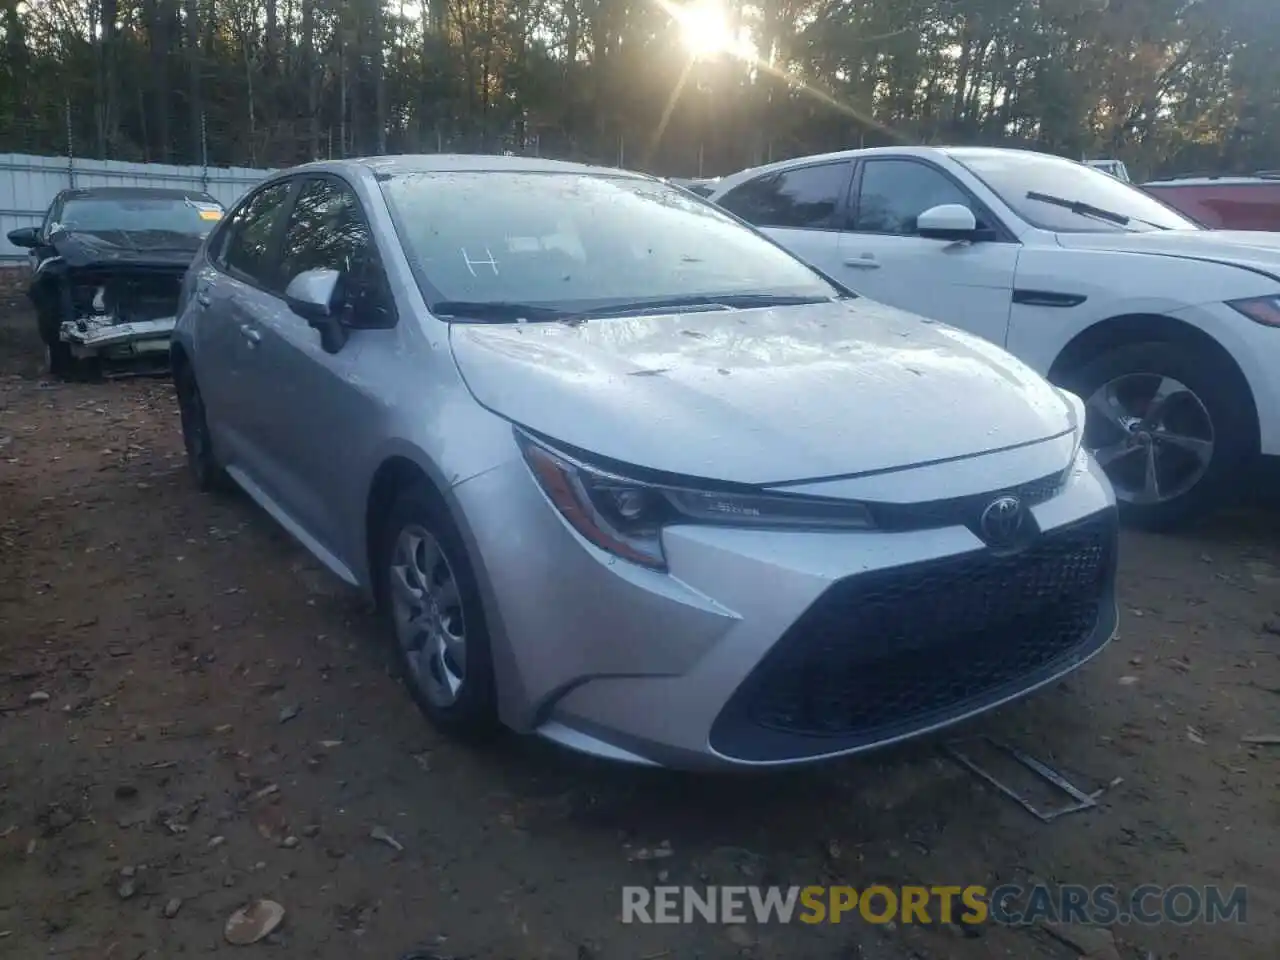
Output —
(427, 590)
(60, 363)
(1170, 428)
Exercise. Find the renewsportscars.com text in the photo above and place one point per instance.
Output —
(1008, 905)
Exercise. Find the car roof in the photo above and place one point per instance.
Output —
(459, 163)
(133, 193)
(927, 152)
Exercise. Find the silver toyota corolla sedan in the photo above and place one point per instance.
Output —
(621, 472)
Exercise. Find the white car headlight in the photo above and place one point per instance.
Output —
(626, 516)
(1263, 310)
(1079, 414)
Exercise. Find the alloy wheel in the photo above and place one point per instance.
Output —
(1151, 434)
(427, 609)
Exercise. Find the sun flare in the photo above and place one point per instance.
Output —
(703, 29)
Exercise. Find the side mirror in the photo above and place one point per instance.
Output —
(949, 221)
(25, 237)
(314, 295)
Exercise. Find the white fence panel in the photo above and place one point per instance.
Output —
(28, 185)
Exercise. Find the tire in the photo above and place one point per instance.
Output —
(1215, 405)
(59, 361)
(205, 468)
(418, 528)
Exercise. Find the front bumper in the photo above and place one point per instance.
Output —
(119, 341)
(766, 648)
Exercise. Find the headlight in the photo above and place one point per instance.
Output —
(1263, 310)
(1080, 412)
(626, 517)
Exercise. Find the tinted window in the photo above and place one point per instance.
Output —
(327, 231)
(895, 192)
(1012, 174)
(578, 241)
(805, 197)
(250, 231)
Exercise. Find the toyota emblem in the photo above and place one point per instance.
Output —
(1002, 521)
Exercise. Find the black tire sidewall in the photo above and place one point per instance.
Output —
(59, 360)
(204, 468)
(474, 714)
(1226, 400)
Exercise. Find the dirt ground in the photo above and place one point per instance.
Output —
(193, 714)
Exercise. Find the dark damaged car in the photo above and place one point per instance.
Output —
(107, 267)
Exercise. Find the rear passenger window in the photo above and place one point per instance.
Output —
(804, 198)
(248, 236)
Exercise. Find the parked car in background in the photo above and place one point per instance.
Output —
(623, 473)
(1223, 203)
(702, 186)
(1170, 332)
(107, 263)
(1115, 168)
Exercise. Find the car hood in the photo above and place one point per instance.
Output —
(159, 248)
(761, 396)
(1252, 250)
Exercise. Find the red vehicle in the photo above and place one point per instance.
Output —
(1224, 203)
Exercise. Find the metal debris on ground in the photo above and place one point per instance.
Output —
(1082, 800)
(1262, 739)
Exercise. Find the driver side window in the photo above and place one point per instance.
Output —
(327, 230)
(893, 193)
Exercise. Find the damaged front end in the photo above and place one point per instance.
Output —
(120, 315)
(126, 315)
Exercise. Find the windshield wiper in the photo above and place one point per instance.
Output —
(1089, 210)
(507, 311)
(497, 311)
(730, 301)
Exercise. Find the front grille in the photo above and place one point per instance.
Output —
(882, 654)
(962, 511)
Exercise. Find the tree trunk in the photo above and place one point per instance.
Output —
(377, 31)
(195, 95)
(312, 76)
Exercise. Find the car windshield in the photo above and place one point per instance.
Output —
(194, 215)
(1058, 194)
(567, 242)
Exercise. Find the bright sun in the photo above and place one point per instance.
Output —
(703, 30)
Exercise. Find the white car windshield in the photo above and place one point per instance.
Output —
(569, 242)
(1053, 193)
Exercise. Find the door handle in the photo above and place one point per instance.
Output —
(865, 262)
(253, 336)
(203, 298)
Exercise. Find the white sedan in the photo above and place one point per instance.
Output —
(1168, 331)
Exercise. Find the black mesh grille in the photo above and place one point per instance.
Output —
(884, 653)
(958, 511)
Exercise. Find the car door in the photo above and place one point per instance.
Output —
(227, 298)
(802, 208)
(316, 403)
(965, 283)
